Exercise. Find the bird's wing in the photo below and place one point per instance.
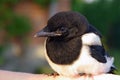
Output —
(98, 52)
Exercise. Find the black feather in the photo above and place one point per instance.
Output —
(98, 53)
(93, 30)
(61, 52)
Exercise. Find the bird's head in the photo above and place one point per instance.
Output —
(64, 25)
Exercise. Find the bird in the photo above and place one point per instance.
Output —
(74, 46)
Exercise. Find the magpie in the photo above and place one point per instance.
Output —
(74, 46)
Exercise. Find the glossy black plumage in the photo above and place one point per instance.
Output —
(98, 53)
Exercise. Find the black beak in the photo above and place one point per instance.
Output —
(45, 33)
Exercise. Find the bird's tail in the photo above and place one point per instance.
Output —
(112, 70)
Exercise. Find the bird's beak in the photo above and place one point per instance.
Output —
(46, 33)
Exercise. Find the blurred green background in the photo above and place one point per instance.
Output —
(21, 19)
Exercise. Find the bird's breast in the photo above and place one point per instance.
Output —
(61, 52)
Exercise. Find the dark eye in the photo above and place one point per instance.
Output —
(63, 29)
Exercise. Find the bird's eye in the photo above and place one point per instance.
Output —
(63, 29)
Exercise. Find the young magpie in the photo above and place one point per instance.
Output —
(74, 46)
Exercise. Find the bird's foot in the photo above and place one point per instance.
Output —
(82, 74)
(90, 76)
(53, 74)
